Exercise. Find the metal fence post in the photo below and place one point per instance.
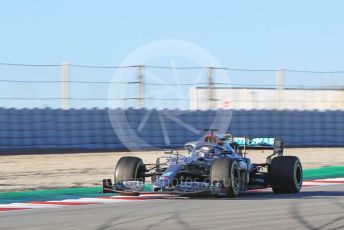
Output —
(65, 86)
(210, 88)
(280, 88)
(140, 87)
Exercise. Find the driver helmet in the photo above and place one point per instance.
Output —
(210, 139)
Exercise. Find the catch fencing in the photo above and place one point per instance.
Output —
(168, 87)
(68, 107)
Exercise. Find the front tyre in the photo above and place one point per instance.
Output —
(225, 177)
(129, 169)
(286, 174)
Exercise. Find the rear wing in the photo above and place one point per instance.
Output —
(261, 143)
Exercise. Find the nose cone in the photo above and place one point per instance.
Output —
(167, 177)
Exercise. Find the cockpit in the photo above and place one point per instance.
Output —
(209, 150)
(213, 145)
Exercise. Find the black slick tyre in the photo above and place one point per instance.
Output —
(286, 174)
(129, 169)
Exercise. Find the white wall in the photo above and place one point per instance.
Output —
(263, 98)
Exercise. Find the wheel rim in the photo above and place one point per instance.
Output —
(236, 178)
(298, 175)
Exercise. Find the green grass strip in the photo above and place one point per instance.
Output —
(323, 172)
(51, 194)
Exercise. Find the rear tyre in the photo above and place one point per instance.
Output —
(225, 177)
(286, 174)
(129, 169)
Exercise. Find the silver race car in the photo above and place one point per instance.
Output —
(215, 166)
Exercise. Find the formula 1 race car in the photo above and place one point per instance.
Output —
(216, 166)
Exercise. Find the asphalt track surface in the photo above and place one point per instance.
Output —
(320, 207)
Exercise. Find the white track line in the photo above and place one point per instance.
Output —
(28, 205)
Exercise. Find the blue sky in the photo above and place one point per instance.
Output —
(240, 34)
